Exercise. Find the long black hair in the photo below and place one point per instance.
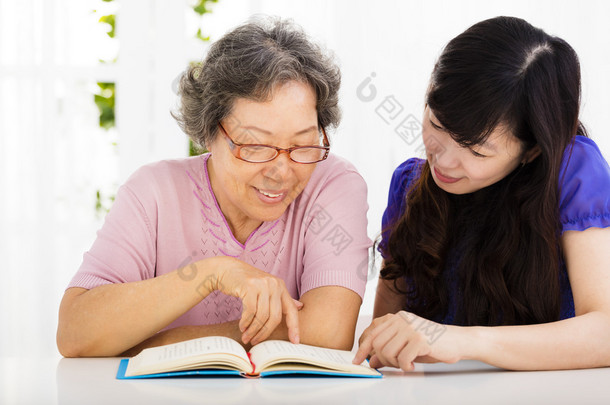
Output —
(504, 237)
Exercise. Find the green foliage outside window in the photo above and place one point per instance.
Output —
(104, 100)
(200, 7)
(105, 95)
(110, 20)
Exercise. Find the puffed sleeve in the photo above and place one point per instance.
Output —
(124, 250)
(402, 179)
(584, 187)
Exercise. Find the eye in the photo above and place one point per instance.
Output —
(475, 153)
(435, 126)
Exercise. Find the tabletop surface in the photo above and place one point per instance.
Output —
(92, 381)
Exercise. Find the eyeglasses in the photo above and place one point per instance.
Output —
(258, 153)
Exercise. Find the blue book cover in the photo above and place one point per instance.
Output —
(215, 372)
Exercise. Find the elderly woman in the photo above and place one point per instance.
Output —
(263, 237)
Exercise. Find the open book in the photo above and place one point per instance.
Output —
(218, 355)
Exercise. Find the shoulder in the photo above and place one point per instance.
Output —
(335, 171)
(583, 154)
(405, 175)
(334, 187)
(168, 168)
(584, 186)
(162, 185)
(334, 165)
(167, 175)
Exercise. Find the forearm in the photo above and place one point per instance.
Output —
(107, 320)
(580, 342)
(318, 334)
(331, 325)
(387, 299)
(312, 333)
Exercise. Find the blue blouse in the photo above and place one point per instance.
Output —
(584, 203)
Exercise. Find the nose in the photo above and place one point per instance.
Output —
(443, 150)
(278, 170)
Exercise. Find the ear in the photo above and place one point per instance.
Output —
(209, 145)
(531, 154)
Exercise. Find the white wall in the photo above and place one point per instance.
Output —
(53, 156)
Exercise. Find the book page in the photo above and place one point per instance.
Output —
(275, 351)
(181, 355)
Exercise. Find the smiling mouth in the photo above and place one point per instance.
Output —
(444, 178)
(269, 194)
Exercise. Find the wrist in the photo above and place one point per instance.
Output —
(211, 272)
(202, 275)
(472, 342)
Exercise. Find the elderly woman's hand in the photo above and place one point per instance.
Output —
(264, 300)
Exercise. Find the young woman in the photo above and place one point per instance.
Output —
(226, 242)
(496, 247)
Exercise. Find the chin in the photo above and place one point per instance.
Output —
(452, 189)
(269, 215)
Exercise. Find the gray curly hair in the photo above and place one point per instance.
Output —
(247, 63)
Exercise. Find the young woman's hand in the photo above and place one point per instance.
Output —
(399, 340)
(264, 297)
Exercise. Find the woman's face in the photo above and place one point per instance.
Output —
(461, 170)
(249, 193)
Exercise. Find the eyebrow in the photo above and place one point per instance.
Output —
(264, 131)
(489, 146)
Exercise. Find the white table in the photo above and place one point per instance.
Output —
(92, 381)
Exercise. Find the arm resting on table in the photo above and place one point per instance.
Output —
(328, 319)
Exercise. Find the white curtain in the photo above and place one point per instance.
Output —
(54, 157)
